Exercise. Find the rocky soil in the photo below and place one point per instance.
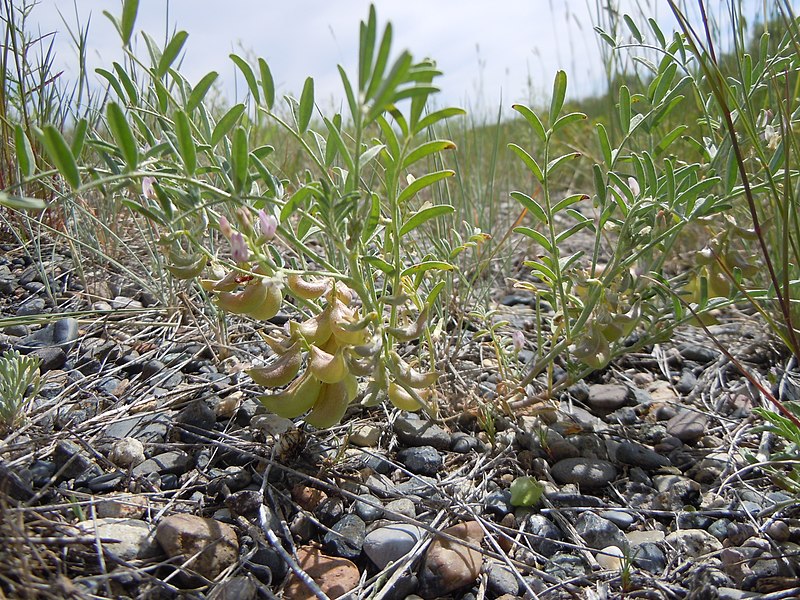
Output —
(146, 468)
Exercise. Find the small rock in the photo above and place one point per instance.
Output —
(135, 539)
(567, 566)
(650, 557)
(687, 425)
(598, 532)
(391, 543)
(622, 519)
(226, 407)
(687, 382)
(125, 506)
(693, 543)
(212, 545)
(307, 498)
(121, 302)
(68, 456)
(640, 456)
(196, 417)
(637, 538)
(498, 503)
(346, 538)
(272, 424)
(127, 452)
(698, 353)
(365, 435)
(51, 358)
(502, 580)
(544, 535)
(32, 306)
(607, 397)
(149, 428)
(421, 460)
(416, 432)
(610, 558)
(174, 461)
(778, 531)
(368, 508)
(463, 443)
(105, 482)
(241, 587)
(401, 506)
(329, 511)
(586, 472)
(334, 576)
(450, 566)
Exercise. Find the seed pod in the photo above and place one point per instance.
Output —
(339, 291)
(412, 331)
(305, 289)
(296, 399)
(316, 330)
(279, 372)
(361, 368)
(411, 377)
(226, 283)
(327, 367)
(346, 327)
(332, 404)
(246, 301)
(272, 302)
(593, 349)
(186, 270)
(404, 398)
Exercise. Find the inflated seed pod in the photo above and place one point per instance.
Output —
(296, 399)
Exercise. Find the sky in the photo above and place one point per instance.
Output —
(492, 53)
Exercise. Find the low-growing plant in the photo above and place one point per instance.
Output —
(19, 383)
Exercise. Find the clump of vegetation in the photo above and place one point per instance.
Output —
(19, 383)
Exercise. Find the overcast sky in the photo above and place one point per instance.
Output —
(507, 49)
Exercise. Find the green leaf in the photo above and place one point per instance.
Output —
(348, 91)
(625, 108)
(267, 83)
(531, 205)
(171, 52)
(123, 136)
(657, 32)
(565, 235)
(605, 145)
(389, 137)
(368, 34)
(533, 120)
(425, 214)
(298, 198)
(554, 164)
(667, 140)
(545, 272)
(19, 203)
(389, 85)
(226, 123)
(567, 119)
(186, 147)
(426, 149)
(239, 159)
(248, 75)
(200, 90)
(436, 116)
(112, 81)
(569, 201)
(373, 218)
(379, 264)
(426, 265)
(129, 10)
(369, 154)
(25, 157)
(637, 35)
(125, 80)
(381, 60)
(306, 107)
(536, 236)
(419, 184)
(531, 163)
(559, 92)
(61, 155)
(526, 491)
(335, 136)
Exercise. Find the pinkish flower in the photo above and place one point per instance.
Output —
(518, 339)
(634, 185)
(239, 250)
(268, 225)
(148, 188)
(225, 227)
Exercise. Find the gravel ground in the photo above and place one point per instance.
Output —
(146, 468)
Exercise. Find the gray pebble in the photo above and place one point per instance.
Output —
(346, 537)
(498, 503)
(421, 460)
(650, 557)
(544, 535)
(640, 456)
(586, 472)
(599, 533)
(365, 511)
(416, 432)
(502, 580)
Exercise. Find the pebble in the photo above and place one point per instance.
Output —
(421, 460)
(693, 543)
(241, 587)
(346, 538)
(32, 306)
(148, 428)
(104, 483)
(126, 452)
(687, 382)
(136, 540)
(687, 425)
(416, 432)
(498, 503)
(501, 580)
(586, 472)
(697, 353)
(125, 506)
(622, 519)
(51, 358)
(196, 418)
(650, 557)
(329, 511)
(212, 545)
(401, 506)
(463, 443)
(544, 535)
(598, 532)
(61, 333)
(367, 512)
(610, 558)
(607, 397)
(174, 461)
(69, 457)
(365, 435)
(449, 566)
(335, 576)
(634, 454)
(391, 543)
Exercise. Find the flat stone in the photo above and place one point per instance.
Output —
(599, 533)
(501, 580)
(335, 576)
(346, 538)
(610, 558)
(147, 428)
(134, 538)
(391, 543)
(195, 417)
(650, 557)
(693, 543)
(544, 535)
(622, 519)
(607, 397)
(698, 353)
(642, 537)
(365, 435)
(416, 432)
(210, 544)
(127, 452)
(368, 508)
(50, 357)
(586, 472)
(421, 460)
(687, 425)
(174, 461)
(450, 566)
(401, 506)
(61, 333)
(637, 455)
(241, 587)
(123, 506)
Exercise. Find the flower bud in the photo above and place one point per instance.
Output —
(518, 340)
(148, 188)
(225, 227)
(634, 185)
(268, 225)
(239, 250)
